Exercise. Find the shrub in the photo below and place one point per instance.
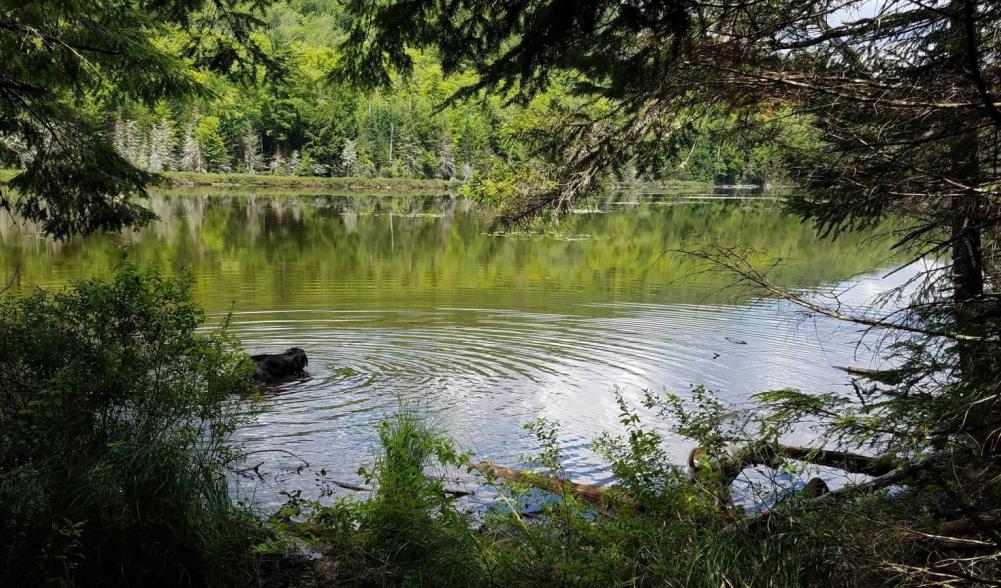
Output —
(114, 418)
(409, 532)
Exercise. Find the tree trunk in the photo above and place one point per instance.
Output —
(976, 367)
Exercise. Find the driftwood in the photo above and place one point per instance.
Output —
(814, 495)
(453, 492)
(592, 493)
(849, 462)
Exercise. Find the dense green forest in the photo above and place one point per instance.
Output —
(293, 119)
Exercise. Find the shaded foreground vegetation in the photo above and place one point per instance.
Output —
(114, 454)
(114, 425)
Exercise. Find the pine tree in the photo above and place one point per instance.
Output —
(135, 144)
(446, 158)
(278, 163)
(349, 158)
(13, 143)
(292, 165)
(253, 160)
(409, 152)
(162, 144)
(118, 134)
(191, 152)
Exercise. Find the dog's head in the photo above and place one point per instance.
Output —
(298, 356)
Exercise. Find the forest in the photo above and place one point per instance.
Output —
(291, 120)
(477, 293)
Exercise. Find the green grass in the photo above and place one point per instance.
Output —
(178, 179)
(183, 180)
(369, 185)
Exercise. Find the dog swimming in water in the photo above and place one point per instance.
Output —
(274, 368)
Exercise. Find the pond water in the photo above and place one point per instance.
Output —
(412, 299)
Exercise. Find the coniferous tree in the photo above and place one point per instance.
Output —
(349, 158)
(191, 152)
(13, 143)
(135, 145)
(119, 135)
(278, 163)
(253, 159)
(162, 144)
(446, 158)
(409, 152)
(293, 163)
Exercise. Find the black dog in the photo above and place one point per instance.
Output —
(280, 367)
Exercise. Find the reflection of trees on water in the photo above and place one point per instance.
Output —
(319, 250)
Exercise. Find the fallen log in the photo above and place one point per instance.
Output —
(890, 377)
(592, 493)
(968, 526)
(725, 471)
(732, 462)
(728, 464)
(893, 477)
(850, 462)
(453, 492)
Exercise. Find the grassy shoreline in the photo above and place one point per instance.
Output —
(177, 180)
(352, 184)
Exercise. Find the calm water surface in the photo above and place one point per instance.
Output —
(412, 299)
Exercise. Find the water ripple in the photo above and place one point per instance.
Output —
(481, 373)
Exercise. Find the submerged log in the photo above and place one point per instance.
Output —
(592, 493)
(453, 492)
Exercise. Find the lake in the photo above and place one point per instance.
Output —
(415, 300)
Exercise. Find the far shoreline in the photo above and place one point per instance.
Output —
(181, 181)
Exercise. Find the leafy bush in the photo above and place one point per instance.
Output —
(114, 418)
(409, 532)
